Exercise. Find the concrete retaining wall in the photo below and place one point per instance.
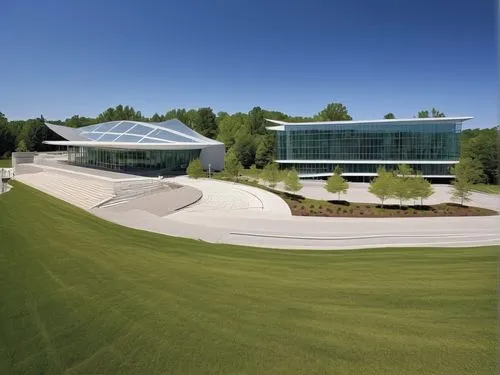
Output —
(22, 158)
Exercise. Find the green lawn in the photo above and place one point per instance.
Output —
(485, 188)
(83, 296)
(5, 163)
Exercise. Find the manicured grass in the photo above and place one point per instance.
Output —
(5, 163)
(485, 188)
(84, 296)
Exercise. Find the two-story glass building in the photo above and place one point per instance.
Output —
(429, 145)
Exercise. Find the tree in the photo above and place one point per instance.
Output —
(265, 150)
(482, 145)
(434, 113)
(245, 150)
(292, 181)
(156, 118)
(421, 188)
(206, 126)
(195, 169)
(389, 115)
(21, 147)
(403, 184)
(334, 112)
(382, 186)
(232, 165)
(229, 128)
(467, 172)
(7, 139)
(257, 121)
(336, 184)
(271, 174)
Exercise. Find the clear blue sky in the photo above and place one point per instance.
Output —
(62, 57)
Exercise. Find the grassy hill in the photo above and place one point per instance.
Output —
(80, 295)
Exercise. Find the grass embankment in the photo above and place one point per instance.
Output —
(485, 188)
(5, 163)
(82, 295)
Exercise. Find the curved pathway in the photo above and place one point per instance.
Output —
(238, 214)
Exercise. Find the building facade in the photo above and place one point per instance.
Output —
(429, 145)
(167, 146)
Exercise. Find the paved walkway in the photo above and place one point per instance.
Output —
(243, 215)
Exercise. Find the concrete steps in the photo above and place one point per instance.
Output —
(82, 192)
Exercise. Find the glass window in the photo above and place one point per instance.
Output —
(128, 138)
(107, 137)
(123, 127)
(106, 126)
(140, 130)
(162, 134)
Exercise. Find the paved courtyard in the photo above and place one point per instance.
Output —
(224, 212)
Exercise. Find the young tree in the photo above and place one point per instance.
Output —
(271, 174)
(403, 184)
(382, 186)
(292, 181)
(336, 184)
(389, 115)
(195, 169)
(467, 172)
(232, 165)
(422, 188)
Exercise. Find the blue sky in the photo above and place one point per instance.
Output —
(60, 57)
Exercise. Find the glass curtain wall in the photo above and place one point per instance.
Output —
(426, 141)
(314, 168)
(126, 160)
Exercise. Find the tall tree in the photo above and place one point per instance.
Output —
(7, 138)
(336, 184)
(389, 115)
(334, 112)
(256, 121)
(433, 113)
(245, 150)
(482, 145)
(207, 125)
(265, 150)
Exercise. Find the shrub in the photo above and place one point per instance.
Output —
(195, 169)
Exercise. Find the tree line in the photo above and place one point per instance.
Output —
(243, 133)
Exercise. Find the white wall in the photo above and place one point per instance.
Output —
(213, 155)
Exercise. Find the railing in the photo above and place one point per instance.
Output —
(6, 173)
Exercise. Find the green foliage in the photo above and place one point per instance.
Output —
(206, 126)
(467, 172)
(333, 112)
(292, 181)
(482, 145)
(195, 169)
(245, 150)
(336, 184)
(420, 188)
(382, 186)
(232, 166)
(271, 174)
(389, 115)
(265, 150)
(120, 112)
(403, 184)
(7, 138)
(83, 295)
(21, 147)
(433, 113)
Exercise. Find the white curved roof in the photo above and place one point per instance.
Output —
(171, 134)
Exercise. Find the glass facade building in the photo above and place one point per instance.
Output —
(130, 160)
(167, 147)
(429, 145)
